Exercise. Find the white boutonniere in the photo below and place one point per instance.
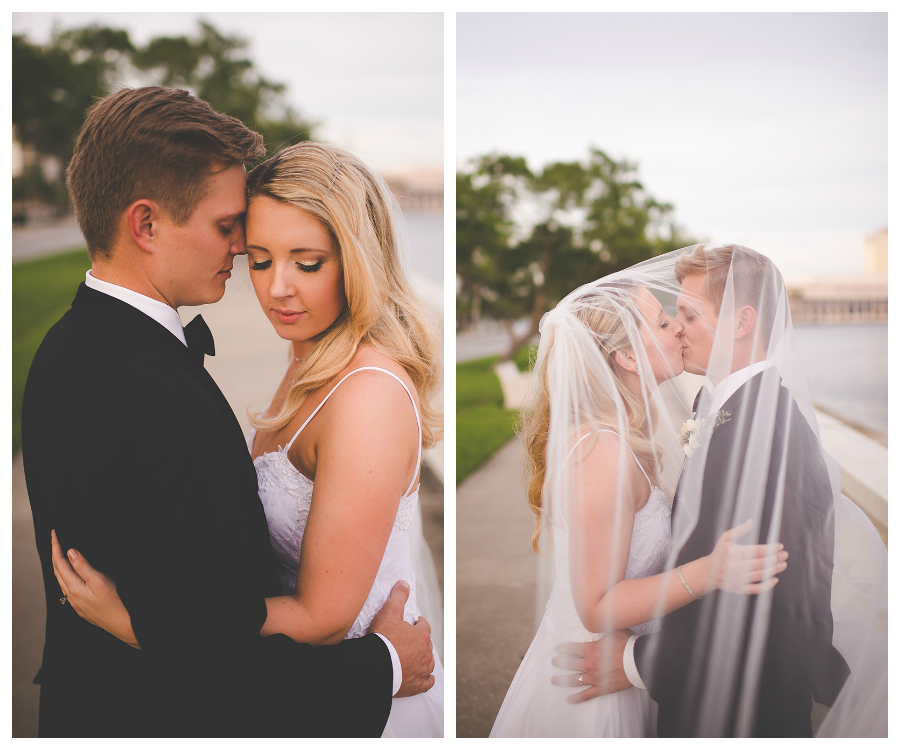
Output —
(694, 431)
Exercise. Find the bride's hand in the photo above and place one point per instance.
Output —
(91, 594)
(744, 568)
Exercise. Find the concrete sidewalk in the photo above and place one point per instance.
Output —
(496, 579)
(248, 366)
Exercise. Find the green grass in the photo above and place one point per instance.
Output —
(42, 291)
(483, 426)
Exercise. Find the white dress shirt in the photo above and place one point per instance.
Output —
(726, 388)
(168, 318)
(719, 395)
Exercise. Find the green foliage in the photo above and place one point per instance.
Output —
(51, 91)
(477, 385)
(483, 426)
(217, 70)
(486, 429)
(525, 357)
(54, 84)
(590, 218)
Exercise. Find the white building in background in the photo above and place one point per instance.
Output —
(18, 158)
(845, 299)
(877, 253)
(418, 189)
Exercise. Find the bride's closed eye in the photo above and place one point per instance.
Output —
(307, 266)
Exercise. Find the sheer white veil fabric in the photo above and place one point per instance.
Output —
(729, 664)
(428, 592)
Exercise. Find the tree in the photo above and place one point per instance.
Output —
(216, 69)
(482, 226)
(54, 84)
(577, 221)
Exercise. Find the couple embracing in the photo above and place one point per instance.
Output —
(698, 587)
(199, 584)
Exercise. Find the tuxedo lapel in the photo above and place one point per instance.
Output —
(743, 396)
(746, 394)
(113, 312)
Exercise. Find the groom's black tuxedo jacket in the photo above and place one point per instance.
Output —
(799, 663)
(133, 455)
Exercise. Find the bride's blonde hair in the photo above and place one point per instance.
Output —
(382, 310)
(603, 318)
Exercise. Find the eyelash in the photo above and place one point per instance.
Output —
(306, 268)
(665, 325)
(226, 230)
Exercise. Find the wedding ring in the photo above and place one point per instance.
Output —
(581, 678)
(63, 600)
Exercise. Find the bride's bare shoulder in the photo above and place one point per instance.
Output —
(370, 395)
(603, 453)
(594, 444)
(367, 356)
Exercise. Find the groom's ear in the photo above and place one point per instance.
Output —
(141, 219)
(744, 322)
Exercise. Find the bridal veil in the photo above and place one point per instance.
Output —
(745, 447)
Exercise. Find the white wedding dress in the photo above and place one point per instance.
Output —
(286, 495)
(533, 706)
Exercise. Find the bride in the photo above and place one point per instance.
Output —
(338, 451)
(595, 483)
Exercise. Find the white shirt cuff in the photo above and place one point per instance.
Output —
(395, 663)
(630, 667)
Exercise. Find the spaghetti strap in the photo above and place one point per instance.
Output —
(633, 456)
(415, 409)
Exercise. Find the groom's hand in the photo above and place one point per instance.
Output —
(599, 665)
(412, 642)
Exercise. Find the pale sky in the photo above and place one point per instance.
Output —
(375, 81)
(765, 129)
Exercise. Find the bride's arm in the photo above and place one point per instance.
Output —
(91, 594)
(600, 539)
(365, 454)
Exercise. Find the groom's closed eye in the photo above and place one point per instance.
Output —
(685, 312)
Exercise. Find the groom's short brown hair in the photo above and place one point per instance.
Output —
(756, 280)
(155, 143)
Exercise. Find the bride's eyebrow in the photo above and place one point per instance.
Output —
(257, 247)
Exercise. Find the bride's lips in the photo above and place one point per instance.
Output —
(287, 316)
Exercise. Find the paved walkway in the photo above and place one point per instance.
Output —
(249, 363)
(45, 239)
(496, 579)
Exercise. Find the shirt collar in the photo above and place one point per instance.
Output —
(160, 312)
(726, 388)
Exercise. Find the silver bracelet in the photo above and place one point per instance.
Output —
(681, 576)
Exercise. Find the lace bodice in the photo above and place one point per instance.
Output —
(650, 539)
(286, 495)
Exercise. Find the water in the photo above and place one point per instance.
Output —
(425, 254)
(846, 367)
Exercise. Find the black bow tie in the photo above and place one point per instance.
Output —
(199, 339)
(702, 397)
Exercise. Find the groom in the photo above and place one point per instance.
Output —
(133, 455)
(795, 663)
